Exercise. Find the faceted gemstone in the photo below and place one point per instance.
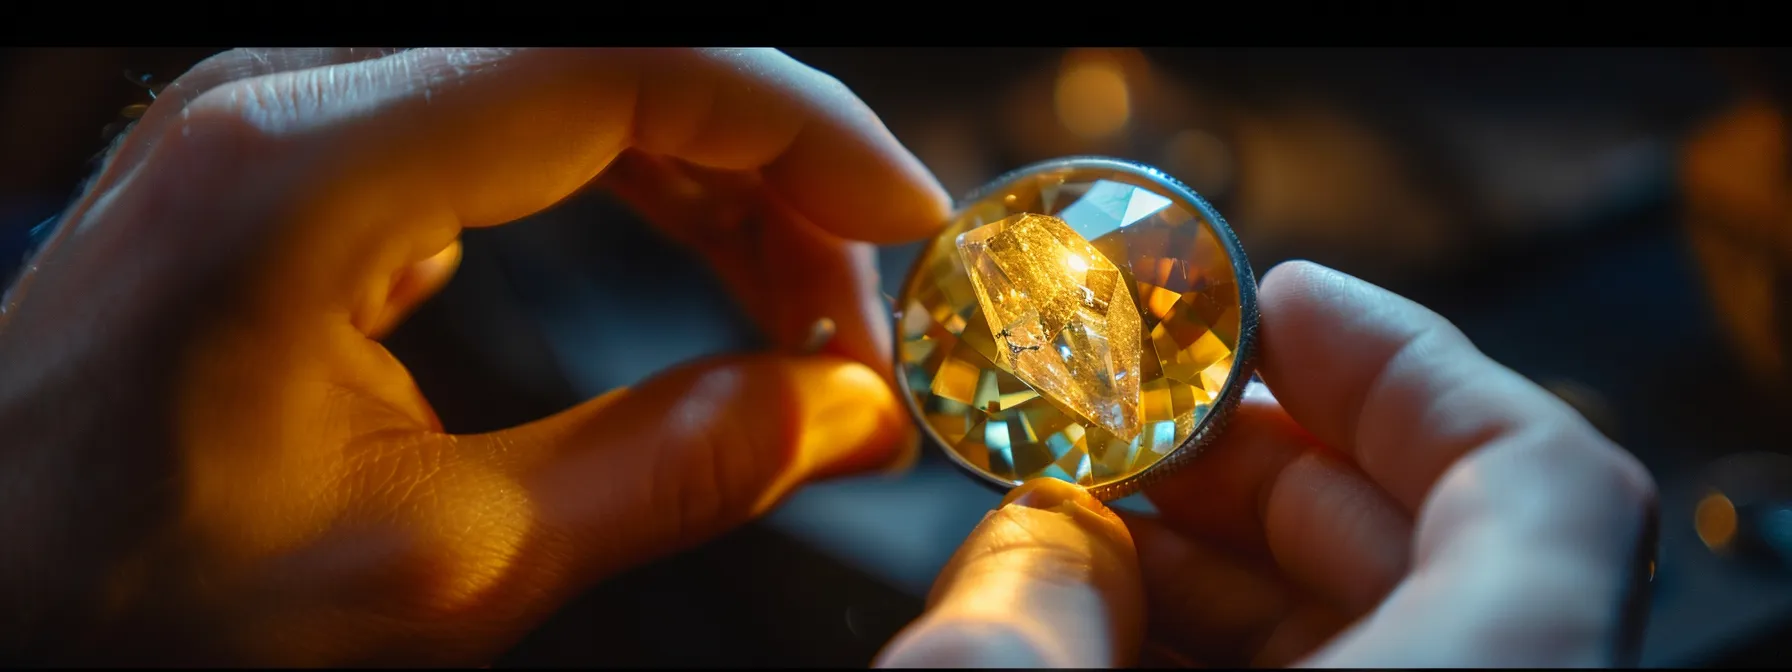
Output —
(1078, 323)
(1068, 327)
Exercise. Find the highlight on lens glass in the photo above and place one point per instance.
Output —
(1086, 319)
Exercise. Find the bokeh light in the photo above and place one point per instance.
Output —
(1092, 97)
(1715, 521)
(1201, 159)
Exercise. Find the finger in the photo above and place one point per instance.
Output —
(1210, 606)
(1268, 488)
(171, 104)
(1049, 579)
(215, 71)
(1220, 498)
(1530, 518)
(1391, 382)
(788, 273)
(378, 164)
(646, 471)
(457, 137)
(1528, 555)
(783, 269)
(411, 286)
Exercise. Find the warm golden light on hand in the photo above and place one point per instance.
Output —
(288, 495)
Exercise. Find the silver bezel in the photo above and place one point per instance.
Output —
(1243, 363)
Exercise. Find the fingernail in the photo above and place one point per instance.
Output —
(1050, 493)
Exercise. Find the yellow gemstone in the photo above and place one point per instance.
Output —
(1078, 321)
(1067, 327)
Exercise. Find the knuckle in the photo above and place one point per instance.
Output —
(256, 113)
(739, 453)
(698, 506)
(217, 69)
(237, 117)
(767, 430)
(279, 104)
(261, 103)
(245, 63)
(762, 450)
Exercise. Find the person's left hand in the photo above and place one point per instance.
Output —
(209, 457)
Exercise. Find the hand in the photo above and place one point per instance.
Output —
(1401, 501)
(209, 458)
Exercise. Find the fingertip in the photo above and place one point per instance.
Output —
(869, 188)
(698, 449)
(852, 421)
(1294, 289)
(928, 198)
(813, 140)
(1047, 493)
(1295, 268)
(1275, 276)
(1089, 514)
(849, 174)
(1326, 337)
(1051, 571)
(1050, 494)
(1306, 302)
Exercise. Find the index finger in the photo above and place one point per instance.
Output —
(1050, 578)
(492, 135)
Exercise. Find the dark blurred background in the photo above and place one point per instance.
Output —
(1615, 224)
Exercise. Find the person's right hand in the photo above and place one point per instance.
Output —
(1402, 501)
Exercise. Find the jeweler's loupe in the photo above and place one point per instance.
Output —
(1087, 319)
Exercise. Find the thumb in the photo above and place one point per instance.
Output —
(1048, 579)
(643, 472)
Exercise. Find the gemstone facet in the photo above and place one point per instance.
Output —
(1079, 320)
(1067, 327)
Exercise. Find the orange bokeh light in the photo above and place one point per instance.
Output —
(1092, 96)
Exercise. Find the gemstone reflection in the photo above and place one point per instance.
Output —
(1079, 322)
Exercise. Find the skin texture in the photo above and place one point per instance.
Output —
(209, 457)
(1399, 501)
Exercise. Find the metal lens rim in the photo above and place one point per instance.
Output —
(1244, 360)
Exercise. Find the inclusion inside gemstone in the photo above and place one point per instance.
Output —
(1067, 326)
